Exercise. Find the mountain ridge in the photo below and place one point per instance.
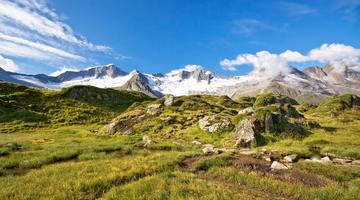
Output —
(314, 83)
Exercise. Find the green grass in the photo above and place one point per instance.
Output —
(52, 147)
(22, 107)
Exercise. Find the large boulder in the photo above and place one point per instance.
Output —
(245, 134)
(212, 124)
(169, 100)
(269, 123)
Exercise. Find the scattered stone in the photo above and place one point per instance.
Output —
(267, 158)
(147, 141)
(169, 100)
(245, 134)
(211, 124)
(129, 131)
(177, 143)
(248, 110)
(326, 160)
(315, 158)
(195, 142)
(247, 152)
(341, 161)
(278, 166)
(208, 149)
(153, 109)
(355, 162)
(290, 158)
(208, 145)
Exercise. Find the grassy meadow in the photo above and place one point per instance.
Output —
(64, 155)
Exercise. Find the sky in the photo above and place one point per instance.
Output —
(230, 37)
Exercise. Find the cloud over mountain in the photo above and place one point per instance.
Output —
(338, 55)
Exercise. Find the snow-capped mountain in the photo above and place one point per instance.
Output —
(312, 84)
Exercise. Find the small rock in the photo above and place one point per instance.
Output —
(315, 158)
(326, 160)
(195, 142)
(153, 109)
(128, 132)
(169, 100)
(177, 143)
(247, 152)
(147, 140)
(278, 166)
(208, 150)
(355, 162)
(267, 158)
(341, 161)
(248, 110)
(290, 158)
(208, 145)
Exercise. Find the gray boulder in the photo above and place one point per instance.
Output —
(169, 100)
(211, 124)
(269, 124)
(278, 166)
(245, 134)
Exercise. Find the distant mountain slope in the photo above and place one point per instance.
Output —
(311, 85)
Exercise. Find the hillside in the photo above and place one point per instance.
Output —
(22, 106)
(90, 143)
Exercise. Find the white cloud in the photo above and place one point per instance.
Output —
(293, 56)
(339, 56)
(62, 70)
(31, 29)
(264, 63)
(8, 64)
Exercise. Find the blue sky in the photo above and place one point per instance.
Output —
(161, 35)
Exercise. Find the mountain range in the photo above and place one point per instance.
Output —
(310, 85)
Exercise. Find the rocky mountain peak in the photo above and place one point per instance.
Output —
(193, 72)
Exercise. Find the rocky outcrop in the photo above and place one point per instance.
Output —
(245, 134)
(269, 123)
(212, 124)
(169, 100)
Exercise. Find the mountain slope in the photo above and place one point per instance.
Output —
(311, 85)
